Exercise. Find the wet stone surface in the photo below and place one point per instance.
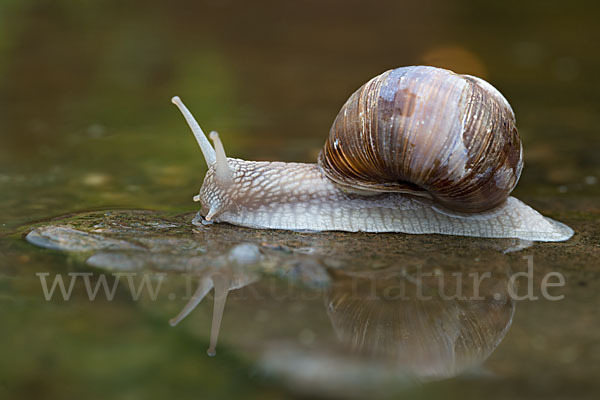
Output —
(329, 313)
(163, 242)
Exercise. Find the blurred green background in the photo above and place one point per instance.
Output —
(86, 122)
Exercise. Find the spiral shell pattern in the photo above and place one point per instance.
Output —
(429, 132)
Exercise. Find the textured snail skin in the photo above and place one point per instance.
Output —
(296, 196)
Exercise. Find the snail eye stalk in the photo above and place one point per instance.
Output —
(207, 150)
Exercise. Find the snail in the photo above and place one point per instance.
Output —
(415, 150)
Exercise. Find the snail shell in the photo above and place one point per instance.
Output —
(429, 132)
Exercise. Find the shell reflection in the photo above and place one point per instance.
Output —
(426, 325)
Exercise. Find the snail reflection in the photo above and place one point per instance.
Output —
(424, 324)
(371, 303)
(229, 274)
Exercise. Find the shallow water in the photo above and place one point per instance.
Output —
(86, 124)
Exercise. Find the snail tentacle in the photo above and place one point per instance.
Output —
(205, 285)
(222, 285)
(207, 150)
(222, 168)
(222, 181)
(214, 210)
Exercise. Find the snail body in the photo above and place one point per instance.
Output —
(414, 150)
